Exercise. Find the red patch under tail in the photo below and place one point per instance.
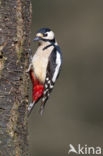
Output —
(37, 87)
(37, 92)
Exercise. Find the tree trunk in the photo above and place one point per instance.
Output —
(15, 20)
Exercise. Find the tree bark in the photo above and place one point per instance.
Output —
(15, 20)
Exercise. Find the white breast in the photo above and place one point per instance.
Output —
(40, 62)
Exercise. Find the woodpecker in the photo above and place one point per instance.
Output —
(44, 67)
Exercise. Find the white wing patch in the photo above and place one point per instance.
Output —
(58, 62)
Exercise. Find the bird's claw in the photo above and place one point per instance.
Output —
(28, 70)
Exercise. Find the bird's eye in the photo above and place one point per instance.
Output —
(45, 34)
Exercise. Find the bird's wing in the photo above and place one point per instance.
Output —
(53, 70)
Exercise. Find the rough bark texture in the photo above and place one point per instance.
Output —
(15, 19)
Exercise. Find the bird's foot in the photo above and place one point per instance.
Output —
(28, 70)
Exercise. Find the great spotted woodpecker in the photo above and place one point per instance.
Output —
(44, 67)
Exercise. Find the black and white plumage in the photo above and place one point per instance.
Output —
(53, 70)
(46, 64)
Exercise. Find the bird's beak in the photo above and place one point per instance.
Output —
(38, 37)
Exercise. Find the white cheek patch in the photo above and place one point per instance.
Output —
(50, 35)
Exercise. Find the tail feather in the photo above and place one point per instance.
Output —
(30, 107)
(41, 110)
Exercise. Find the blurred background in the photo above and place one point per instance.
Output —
(74, 111)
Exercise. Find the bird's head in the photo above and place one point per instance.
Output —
(45, 35)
